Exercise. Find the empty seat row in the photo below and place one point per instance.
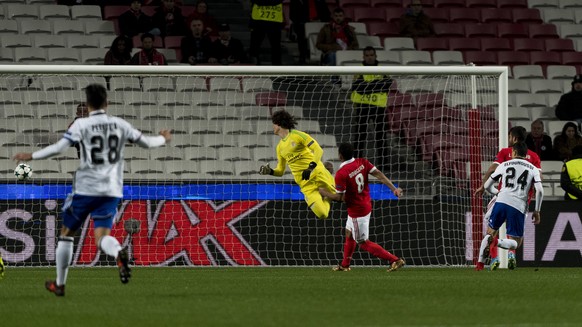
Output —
(56, 41)
(57, 27)
(49, 12)
(493, 44)
(113, 12)
(508, 4)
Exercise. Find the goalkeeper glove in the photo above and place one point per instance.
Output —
(307, 172)
(266, 170)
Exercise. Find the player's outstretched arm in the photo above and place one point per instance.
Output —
(155, 141)
(386, 181)
(536, 217)
(44, 153)
(481, 189)
(265, 170)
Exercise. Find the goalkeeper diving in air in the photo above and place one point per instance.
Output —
(303, 155)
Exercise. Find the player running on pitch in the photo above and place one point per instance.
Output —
(303, 155)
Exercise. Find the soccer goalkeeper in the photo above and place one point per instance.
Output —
(303, 155)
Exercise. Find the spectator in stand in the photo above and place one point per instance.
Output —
(334, 36)
(120, 52)
(134, 21)
(539, 142)
(570, 105)
(169, 20)
(210, 26)
(305, 11)
(226, 49)
(571, 178)
(266, 20)
(414, 23)
(197, 47)
(568, 140)
(148, 55)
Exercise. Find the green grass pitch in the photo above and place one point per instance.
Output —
(295, 297)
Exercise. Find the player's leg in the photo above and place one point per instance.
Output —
(496, 219)
(515, 227)
(318, 204)
(361, 232)
(75, 211)
(349, 247)
(103, 221)
(493, 247)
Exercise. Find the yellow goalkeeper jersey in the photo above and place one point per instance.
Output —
(297, 150)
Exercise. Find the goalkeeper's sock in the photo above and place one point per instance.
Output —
(349, 248)
(493, 247)
(508, 244)
(378, 251)
(110, 245)
(64, 254)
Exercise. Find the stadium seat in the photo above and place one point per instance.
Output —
(238, 99)
(449, 30)
(181, 167)
(415, 58)
(369, 41)
(530, 100)
(158, 84)
(105, 41)
(258, 84)
(124, 112)
(481, 30)
(512, 58)
(235, 154)
(428, 101)
(570, 58)
(545, 58)
(543, 3)
(236, 127)
(481, 58)
(542, 113)
(86, 12)
(528, 72)
(138, 98)
(99, 27)
(62, 55)
(49, 41)
(35, 27)
(172, 99)
(481, 3)
(383, 29)
(560, 72)
(225, 84)
(512, 4)
(167, 153)
(559, 45)
(490, 15)
(216, 167)
(222, 113)
(21, 11)
(360, 28)
(528, 45)
(431, 44)
(82, 41)
(464, 15)
(570, 4)
(519, 86)
(177, 126)
(309, 126)
(464, 44)
(447, 58)
(68, 27)
(559, 16)
(153, 112)
(264, 154)
(395, 4)
(547, 86)
(16, 41)
(190, 113)
(207, 99)
(512, 30)
(191, 84)
(253, 141)
(8, 27)
(18, 111)
(57, 83)
(368, 14)
(399, 44)
(571, 31)
(271, 99)
(113, 12)
(50, 12)
(355, 4)
(449, 3)
(142, 167)
(495, 44)
(543, 31)
(388, 57)
(124, 83)
(578, 15)
(526, 16)
(210, 140)
(29, 55)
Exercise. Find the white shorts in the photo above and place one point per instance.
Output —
(489, 209)
(360, 227)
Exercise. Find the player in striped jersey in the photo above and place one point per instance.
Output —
(518, 176)
(98, 183)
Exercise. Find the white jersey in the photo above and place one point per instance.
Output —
(102, 140)
(517, 177)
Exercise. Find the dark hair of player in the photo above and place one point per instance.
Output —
(284, 119)
(520, 149)
(346, 150)
(519, 132)
(96, 96)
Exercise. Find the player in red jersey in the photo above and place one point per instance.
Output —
(351, 182)
(516, 134)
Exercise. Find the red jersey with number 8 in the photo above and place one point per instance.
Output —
(351, 180)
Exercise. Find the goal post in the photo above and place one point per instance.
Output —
(199, 201)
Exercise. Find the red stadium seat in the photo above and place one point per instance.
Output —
(431, 44)
(449, 30)
(511, 3)
(173, 42)
(383, 30)
(449, 3)
(526, 16)
(385, 3)
(451, 157)
(187, 10)
(427, 101)
(512, 30)
(495, 44)
(481, 30)
(392, 14)
(496, 16)
(149, 10)
(528, 45)
(113, 12)
(425, 3)
(464, 44)
(271, 99)
(543, 31)
(437, 15)
(544, 58)
(464, 15)
(572, 58)
(354, 3)
(369, 15)
(559, 45)
(512, 58)
(481, 58)
(459, 127)
(481, 3)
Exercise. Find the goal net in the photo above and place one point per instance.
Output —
(200, 201)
